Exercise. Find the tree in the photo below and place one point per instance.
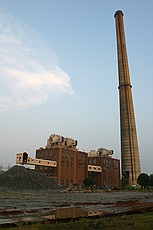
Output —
(1, 167)
(9, 166)
(143, 180)
(88, 181)
(151, 180)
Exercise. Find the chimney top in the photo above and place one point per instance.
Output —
(118, 12)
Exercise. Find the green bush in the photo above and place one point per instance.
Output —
(143, 180)
(88, 181)
(151, 180)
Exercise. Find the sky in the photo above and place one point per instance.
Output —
(59, 75)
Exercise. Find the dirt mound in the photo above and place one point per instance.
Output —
(21, 178)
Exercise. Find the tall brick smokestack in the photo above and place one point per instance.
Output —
(129, 144)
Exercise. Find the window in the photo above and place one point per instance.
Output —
(51, 153)
(71, 155)
(63, 153)
(67, 155)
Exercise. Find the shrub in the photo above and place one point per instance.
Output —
(143, 180)
(88, 181)
(151, 180)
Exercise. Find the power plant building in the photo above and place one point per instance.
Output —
(73, 166)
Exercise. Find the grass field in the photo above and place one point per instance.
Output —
(142, 221)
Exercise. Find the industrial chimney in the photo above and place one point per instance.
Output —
(129, 145)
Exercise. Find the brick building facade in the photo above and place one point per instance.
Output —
(73, 166)
(110, 174)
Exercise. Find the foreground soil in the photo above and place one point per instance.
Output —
(19, 208)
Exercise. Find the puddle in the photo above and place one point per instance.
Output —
(46, 214)
(85, 209)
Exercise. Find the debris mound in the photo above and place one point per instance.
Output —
(78, 188)
(21, 178)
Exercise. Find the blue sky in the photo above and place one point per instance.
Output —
(58, 74)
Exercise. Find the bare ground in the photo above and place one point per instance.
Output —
(35, 206)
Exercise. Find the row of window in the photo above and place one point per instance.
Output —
(106, 161)
(67, 154)
(95, 168)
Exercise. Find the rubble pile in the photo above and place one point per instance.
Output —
(21, 178)
(78, 188)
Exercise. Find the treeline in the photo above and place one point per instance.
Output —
(4, 168)
(145, 181)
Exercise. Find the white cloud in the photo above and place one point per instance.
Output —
(29, 70)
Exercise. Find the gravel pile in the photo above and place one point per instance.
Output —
(21, 178)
